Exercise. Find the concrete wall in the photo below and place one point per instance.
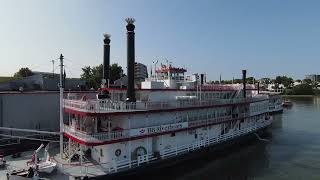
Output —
(30, 110)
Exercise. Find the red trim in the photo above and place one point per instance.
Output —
(112, 89)
(145, 136)
(165, 89)
(72, 111)
(164, 68)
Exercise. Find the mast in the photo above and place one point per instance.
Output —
(61, 105)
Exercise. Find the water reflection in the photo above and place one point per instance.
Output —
(240, 162)
(277, 121)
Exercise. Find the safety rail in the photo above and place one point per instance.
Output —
(108, 106)
(122, 134)
(96, 137)
(116, 166)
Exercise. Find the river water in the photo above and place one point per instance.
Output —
(292, 153)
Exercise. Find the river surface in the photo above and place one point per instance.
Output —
(292, 153)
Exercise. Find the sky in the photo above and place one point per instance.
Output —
(266, 37)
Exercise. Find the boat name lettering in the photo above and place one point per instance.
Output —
(158, 129)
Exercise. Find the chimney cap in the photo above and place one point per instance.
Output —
(106, 38)
(106, 35)
(130, 20)
(130, 26)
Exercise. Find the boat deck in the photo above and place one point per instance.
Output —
(21, 163)
(88, 168)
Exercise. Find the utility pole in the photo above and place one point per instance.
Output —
(52, 67)
(232, 78)
(61, 105)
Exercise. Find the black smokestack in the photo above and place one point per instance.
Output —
(258, 87)
(130, 59)
(202, 78)
(106, 57)
(244, 77)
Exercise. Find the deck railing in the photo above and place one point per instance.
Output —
(116, 166)
(108, 106)
(122, 134)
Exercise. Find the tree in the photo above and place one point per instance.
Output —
(88, 77)
(251, 80)
(93, 75)
(116, 72)
(286, 81)
(23, 72)
(266, 81)
(307, 81)
(303, 89)
(278, 80)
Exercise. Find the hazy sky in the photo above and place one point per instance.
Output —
(266, 37)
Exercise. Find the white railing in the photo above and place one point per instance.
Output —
(96, 137)
(108, 106)
(115, 166)
(122, 134)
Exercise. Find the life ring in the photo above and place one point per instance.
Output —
(117, 152)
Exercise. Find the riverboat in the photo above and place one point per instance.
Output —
(170, 115)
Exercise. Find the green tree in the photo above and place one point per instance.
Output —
(93, 75)
(278, 80)
(286, 81)
(23, 72)
(251, 80)
(116, 72)
(265, 80)
(307, 81)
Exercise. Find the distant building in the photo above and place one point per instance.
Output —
(122, 82)
(313, 77)
(140, 74)
(272, 87)
(42, 81)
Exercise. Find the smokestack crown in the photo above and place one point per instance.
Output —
(130, 26)
(106, 39)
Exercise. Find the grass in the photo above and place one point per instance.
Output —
(6, 79)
